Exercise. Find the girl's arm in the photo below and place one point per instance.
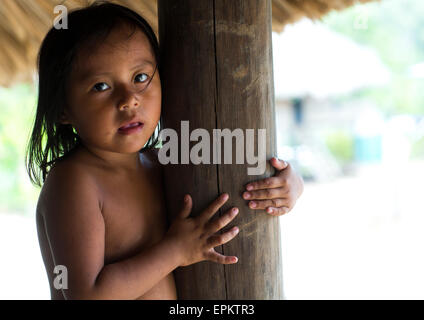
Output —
(75, 228)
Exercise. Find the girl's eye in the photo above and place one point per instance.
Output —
(142, 77)
(100, 86)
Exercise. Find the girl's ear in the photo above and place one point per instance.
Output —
(64, 119)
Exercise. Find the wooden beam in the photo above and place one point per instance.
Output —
(217, 73)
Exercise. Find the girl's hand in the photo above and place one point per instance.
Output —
(277, 194)
(195, 238)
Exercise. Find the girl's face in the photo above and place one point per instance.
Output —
(105, 102)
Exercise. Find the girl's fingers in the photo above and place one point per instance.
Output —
(219, 239)
(277, 211)
(217, 224)
(187, 205)
(263, 204)
(264, 194)
(219, 258)
(213, 208)
(272, 182)
(279, 164)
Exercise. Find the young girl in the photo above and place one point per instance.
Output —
(101, 211)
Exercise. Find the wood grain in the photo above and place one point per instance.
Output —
(217, 73)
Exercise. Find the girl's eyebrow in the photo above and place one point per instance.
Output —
(89, 74)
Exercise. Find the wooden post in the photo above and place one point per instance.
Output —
(217, 73)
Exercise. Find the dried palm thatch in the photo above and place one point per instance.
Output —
(24, 23)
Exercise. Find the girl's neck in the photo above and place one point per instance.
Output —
(113, 160)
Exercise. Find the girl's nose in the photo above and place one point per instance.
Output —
(129, 101)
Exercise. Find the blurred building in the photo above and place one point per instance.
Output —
(313, 65)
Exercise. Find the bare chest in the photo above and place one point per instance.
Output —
(134, 215)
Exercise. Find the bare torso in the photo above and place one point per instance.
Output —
(134, 216)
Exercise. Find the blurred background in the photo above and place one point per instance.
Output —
(349, 97)
(350, 115)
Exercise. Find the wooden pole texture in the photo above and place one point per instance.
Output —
(217, 72)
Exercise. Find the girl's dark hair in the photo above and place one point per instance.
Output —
(50, 140)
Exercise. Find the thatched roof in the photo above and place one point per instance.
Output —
(24, 23)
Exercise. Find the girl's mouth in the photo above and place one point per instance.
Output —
(130, 128)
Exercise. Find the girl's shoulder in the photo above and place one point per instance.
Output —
(70, 168)
(150, 160)
(150, 157)
(67, 181)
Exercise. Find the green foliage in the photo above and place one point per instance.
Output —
(341, 145)
(417, 149)
(395, 30)
(17, 106)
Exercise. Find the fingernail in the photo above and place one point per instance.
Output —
(236, 230)
(252, 204)
(246, 195)
(235, 259)
(235, 210)
(269, 210)
(249, 187)
(225, 196)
